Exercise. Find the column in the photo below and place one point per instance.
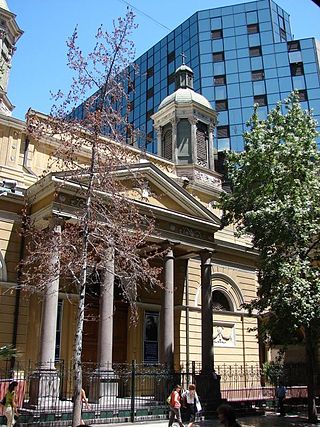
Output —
(174, 124)
(193, 123)
(106, 314)
(210, 148)
(168, 311)
(50, 306)
(207, 358)
(104, 382)
(159, 139)
(44, 382)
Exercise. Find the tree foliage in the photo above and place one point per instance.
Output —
(275, 199)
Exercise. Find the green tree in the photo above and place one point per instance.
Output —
(275, 199)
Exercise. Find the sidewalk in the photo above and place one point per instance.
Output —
(270, 420)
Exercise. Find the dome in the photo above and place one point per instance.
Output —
(185, 96)
(184, 67)
(4, 5)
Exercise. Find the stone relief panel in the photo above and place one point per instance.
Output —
(224, 334)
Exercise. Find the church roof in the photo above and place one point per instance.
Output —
(185, 96)
(4, 5)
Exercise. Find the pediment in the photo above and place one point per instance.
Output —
(163, 193)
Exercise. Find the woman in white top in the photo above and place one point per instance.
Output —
(192, 402)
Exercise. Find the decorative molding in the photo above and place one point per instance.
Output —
(224, 334)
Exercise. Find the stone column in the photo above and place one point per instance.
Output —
(207, 358)
(168, 311)
(104, 383)
(106, 314)
(159, 139)
(44, 382)
(174, 124)
(193, 123)
(211, 147)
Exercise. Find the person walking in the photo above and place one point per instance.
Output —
(175, 406)
(227, 416)
(192, 402)
(281, 392)
(10, 404)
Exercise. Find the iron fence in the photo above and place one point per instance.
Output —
(128, 392)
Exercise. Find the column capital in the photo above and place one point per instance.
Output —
(206, 254)
(169, 244)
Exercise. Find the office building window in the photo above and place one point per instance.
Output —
(221, 105)
(254, 51)
(303, 96)
(218, 56)
(261, 100)
(223, 132)
(216, 34)
(219, 80)
(149, 137)
(170, 79)
(149, 72)
(171, 56)
(150, 93)
(297, 69)
(283, 34)
(253, 28)
(131, 86)
(257, 75)
(130, 106)
(293, 46)
(149, 114)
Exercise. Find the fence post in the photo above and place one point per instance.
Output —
(133, 389)
(193, 372)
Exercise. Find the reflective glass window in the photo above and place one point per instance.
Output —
(259, 87)
(232, 66)
(229, 32)
(254, 39)
(247, 112)
(233, 78)
(269, 61)
(293, 46)
(310, 68)
(242, 53)
(242, 41)
(206, 81)
(298, 82)
(284, 71)
(206, 70)
(219, 68)
(257, 75)
(272, 85)
(315, 104)
(262, 112)
(247, 101)
(282, 59)
(308, 55)
(312, 80)
(229, 43)
(216, 23)
(306, 43)
(295, 56)
(264, 15)
(240, 30)
(303, 95)
(244, 64)
(230, 54)
(227, 21)
(235, 116)
(246, 89)
(220, 92)
(285, 84)
(217, 45)
(280, 47)
(255, 51)
(266, 37)
(223, 118)
(234, 103)
(237, 143)
(224, 144)
(252, 17)
(223, 132)
(219, 80)
(239, 19)
(233, 90)
(208, 92)
(205, 47)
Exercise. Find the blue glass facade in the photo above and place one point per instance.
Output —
(240, 55)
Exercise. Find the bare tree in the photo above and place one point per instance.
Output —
(90, 151)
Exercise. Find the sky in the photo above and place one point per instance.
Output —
(39, 63)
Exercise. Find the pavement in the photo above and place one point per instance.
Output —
(269, 420)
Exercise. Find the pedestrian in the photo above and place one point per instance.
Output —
(192, 402)
(281, 392)
(175, 406)
(227, 416)
(84, 402)
(10, 404)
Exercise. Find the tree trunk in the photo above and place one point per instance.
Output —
(77, 362)
(311, 375)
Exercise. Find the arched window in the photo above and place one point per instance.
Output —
(167, 142)
(220, 302)
(202, 144)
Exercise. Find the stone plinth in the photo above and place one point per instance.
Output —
(44, 388)
(103, 385)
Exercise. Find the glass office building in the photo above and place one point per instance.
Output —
(240, 55)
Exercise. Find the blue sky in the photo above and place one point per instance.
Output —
(39, 64)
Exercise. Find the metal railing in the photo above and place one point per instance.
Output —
(127, 392)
